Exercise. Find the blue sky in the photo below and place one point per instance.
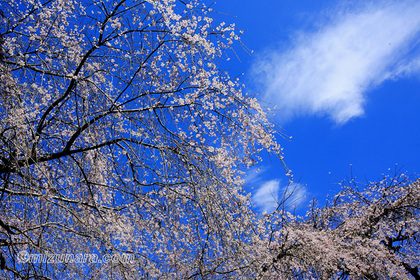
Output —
(345, 79)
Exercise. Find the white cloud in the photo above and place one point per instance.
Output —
(266, 196)
(270, 194)
(330, 70)
(293, 195)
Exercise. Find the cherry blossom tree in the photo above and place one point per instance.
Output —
(364, 232)
(120, 134)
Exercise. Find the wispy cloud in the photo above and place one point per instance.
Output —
(271, 193)
(293, 195)
(330, 70)
(266, 197)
